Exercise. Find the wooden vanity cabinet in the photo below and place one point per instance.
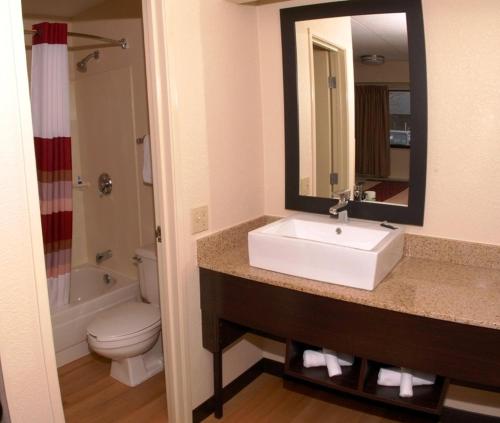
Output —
(232, 306)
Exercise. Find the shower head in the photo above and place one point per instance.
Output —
(82, 64)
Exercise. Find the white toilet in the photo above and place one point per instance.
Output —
(129, 334)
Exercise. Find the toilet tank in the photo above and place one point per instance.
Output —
(148, 274)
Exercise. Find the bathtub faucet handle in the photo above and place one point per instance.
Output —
(137, 259)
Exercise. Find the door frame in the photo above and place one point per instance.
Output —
(342, 148)
(160, 88)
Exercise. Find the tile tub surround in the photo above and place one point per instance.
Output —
(465, 292)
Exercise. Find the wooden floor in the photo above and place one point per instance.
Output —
(89, 394)
(266, 401)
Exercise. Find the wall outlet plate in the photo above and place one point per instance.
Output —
(199, 219)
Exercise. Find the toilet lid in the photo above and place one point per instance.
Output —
(123, 320)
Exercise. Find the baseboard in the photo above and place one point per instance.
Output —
(275, 368)
(72, 353)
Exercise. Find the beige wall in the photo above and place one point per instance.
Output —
(463, 135)
(26, 349)
(454, 29)
(400, 163)
(390, 71)
(217, 137)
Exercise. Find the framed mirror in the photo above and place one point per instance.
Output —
(355, 96)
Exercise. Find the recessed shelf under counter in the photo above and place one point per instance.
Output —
(433, 316)
(361, 379)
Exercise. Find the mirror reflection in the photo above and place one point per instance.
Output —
(354, 107)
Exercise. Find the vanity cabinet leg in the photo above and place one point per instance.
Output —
(218, 400)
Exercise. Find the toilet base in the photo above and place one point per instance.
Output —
(135, 370)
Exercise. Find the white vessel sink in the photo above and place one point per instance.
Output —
(358, 254)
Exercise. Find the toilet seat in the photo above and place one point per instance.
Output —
(129, 320)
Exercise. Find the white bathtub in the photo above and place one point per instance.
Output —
(89, 294)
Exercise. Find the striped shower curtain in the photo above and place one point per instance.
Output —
(51, 128)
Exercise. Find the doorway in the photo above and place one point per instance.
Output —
(109, 134)
(329, 127)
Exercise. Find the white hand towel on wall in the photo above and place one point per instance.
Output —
(147, 172)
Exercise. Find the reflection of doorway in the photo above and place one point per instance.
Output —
(330, 148)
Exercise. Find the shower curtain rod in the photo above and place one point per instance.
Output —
(109, 42)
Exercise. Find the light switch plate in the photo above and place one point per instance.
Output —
(199, 219)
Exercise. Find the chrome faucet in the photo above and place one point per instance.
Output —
(339, 210)
(104, 255)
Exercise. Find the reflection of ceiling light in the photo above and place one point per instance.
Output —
(372, 59)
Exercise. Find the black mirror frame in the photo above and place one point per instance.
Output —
(412, 214)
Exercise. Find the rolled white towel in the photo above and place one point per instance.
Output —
(392, 377)
(312, 358)
(332, 362)
(406, 387)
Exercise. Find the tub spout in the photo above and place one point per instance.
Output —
(104, 255)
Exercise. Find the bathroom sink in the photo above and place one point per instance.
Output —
(358, 254)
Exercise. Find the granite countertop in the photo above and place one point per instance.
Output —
(437, 278)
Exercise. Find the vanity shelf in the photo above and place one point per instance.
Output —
(425, 398)
(361, 379)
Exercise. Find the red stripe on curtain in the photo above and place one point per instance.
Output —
(50, 33)
(53, 154)
(57, 227)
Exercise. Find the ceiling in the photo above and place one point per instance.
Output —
(57, 8)
(383, 34)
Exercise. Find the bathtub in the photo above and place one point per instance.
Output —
(92, 290)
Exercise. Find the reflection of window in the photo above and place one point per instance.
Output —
(399, 118)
